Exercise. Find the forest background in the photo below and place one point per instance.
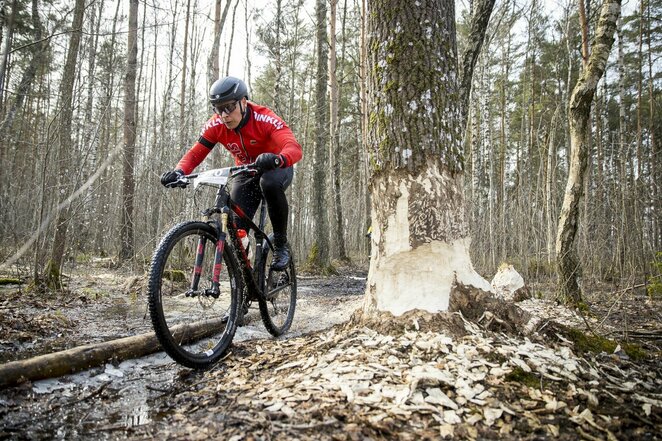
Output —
(88, 126)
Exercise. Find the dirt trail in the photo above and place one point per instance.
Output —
(102, 305)
(341, 383)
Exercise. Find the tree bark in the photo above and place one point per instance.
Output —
(229, 57)
(420, 250)
(213, 68)
(568, 265)
(66, 160)
(182, 87)
(478, 28)
(318, 256)
(334, 146)
(248, 42)
(29, 73)
(550, 179)
(655, 192)
(7, 38)
(88, 356)
(128, 180)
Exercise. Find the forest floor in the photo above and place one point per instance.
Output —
(338, 375)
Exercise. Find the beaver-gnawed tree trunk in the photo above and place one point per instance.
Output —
(420, 253)
(568, 265)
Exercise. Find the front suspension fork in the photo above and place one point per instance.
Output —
(218, 259)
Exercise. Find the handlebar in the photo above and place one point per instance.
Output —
(236, 170)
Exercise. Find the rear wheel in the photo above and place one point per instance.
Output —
(280, 288)
(189, 320)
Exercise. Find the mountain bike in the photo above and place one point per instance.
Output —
(202, 279)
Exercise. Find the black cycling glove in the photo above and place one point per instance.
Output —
(171, 176)
(269, 161)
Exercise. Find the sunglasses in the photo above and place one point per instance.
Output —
(227, 108)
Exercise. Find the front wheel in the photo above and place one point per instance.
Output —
(280, 290)
(194, 318)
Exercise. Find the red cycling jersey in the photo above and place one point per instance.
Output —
(264, 132)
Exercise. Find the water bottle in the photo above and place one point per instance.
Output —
(245, 242)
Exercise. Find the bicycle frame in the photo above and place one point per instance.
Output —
(224, 205)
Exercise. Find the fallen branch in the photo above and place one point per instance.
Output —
(87, 356)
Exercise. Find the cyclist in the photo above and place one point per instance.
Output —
(251, 133)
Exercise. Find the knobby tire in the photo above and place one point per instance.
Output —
(165, 289)
(276, 318)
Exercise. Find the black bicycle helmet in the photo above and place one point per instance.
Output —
(227, 89)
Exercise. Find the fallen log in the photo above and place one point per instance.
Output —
(95, 354)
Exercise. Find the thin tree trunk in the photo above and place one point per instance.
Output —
(278, 58)
(182, 88)
(229, 56)
(621, 155)
(29, 73)
(104, 188)
(7, 38)
(580, 109)
(478, 28)
(128, 180)
(248, 46)
(550, 178)
(583, 25)
(66, 151)
(318, 256)
(335, 154)
(213, 67)
(655, 152)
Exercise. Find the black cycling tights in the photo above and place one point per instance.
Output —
(247, 192)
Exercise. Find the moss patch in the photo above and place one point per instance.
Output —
(634, 351)
(174, 275)
(590, 343)
(519, 375)
(584, 342)
(9, 281)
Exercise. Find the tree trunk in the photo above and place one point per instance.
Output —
(28, 74)
(550, 179)
(421, 243)
(213, 68)
(248, 45)
(128, 181)
(478, 28)
(182, 87)
(655, 197)
(318, 256)
(88, 356)
(278, 59)
(335, 153)
(66, 150)
(7, 38)
(229, 57)
(568, 265)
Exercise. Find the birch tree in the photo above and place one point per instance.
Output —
(420, 253)
(568, 265)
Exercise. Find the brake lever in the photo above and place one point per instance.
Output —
(252, 171)
(179, 183)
